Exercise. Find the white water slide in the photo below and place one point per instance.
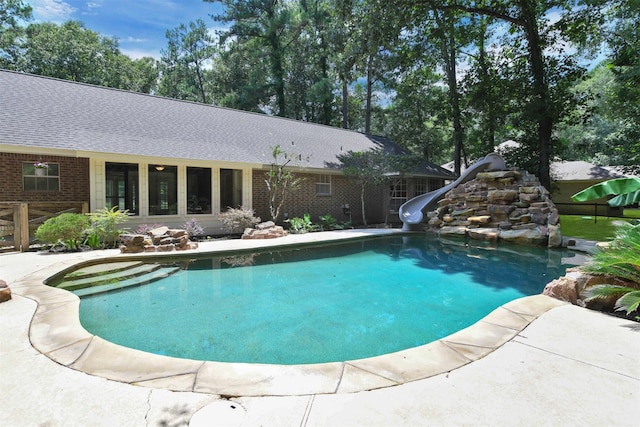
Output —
(411, 212)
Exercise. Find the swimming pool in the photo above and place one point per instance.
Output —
(334, 302)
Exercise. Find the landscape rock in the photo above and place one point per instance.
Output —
(161, 239)
(265, 230)
(5, 291)
(510, 205)
(564, 289)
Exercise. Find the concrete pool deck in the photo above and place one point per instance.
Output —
(534, 361)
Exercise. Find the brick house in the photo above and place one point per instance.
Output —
(167, 161)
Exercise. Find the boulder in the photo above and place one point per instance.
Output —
(265, 225)
(482, 219)
(564, 289)
(5, 291)
(269, 231)
(160, 231)
(555, 236)
(488, 234)
(527, 236)
(453, 231)
(502, 196)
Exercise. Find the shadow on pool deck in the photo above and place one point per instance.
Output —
(507, 369)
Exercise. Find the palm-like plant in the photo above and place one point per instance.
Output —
(625, 190)
(620, 259)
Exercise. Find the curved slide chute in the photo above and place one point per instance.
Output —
(411, 212)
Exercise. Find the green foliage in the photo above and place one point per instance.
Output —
(627, 299)
(105, 227)
(67, 228)
(301, 225)
(12, 12)
(375, 167)
(328, 222)
(621, 258)
(627, 191)
(235, 220)
(183, 65)
(72, 52)
(281, 182)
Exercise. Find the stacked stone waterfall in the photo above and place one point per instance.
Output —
(509, 205)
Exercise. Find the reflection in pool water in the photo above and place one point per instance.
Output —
(333, 302)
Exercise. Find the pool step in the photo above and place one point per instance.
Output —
(97, 270)
(109, 276)
(152, 276)
(106, 276)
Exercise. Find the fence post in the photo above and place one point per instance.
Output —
(21, 227)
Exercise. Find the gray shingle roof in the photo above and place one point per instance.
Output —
(49, 113)
(581, 171)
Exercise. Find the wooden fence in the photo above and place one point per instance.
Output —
(19, 221)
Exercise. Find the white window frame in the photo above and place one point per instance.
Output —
(323, 185)
(44, 174)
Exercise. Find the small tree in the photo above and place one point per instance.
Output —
(280, 182)
(376, 167)
(366, 168)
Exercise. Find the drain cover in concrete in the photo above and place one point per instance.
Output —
(218, 413)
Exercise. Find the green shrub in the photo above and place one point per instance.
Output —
(328, 222)
(621, 259)
(67, 228)
(235, 220)
(105, 227)
(301, 225)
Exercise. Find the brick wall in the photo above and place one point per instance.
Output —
(74, 179)
(305, 200)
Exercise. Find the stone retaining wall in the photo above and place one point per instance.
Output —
(508, 205)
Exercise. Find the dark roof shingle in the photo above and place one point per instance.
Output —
(44, 112)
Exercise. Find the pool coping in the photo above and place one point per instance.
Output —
(56, 332)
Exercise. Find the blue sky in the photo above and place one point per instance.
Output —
(139, 25)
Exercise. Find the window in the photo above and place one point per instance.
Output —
(198, 190)
(426, 185)
(323, 185)
(163, 190)
(121, 186)
(45, 178)
(422, 186)
(397, 194)
(230, 188)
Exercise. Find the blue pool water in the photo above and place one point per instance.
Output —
(330, 303)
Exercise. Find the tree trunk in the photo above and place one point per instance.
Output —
(449, 55)
(540, 91)
(364, 218)
(367, 113)
(345, 104)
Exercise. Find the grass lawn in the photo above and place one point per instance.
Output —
(599, 229)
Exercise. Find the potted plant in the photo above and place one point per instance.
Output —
(41, 168)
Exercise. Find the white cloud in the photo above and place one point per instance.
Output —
(137, 54)
(131, 39)
(51, 10)
(91, 7)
